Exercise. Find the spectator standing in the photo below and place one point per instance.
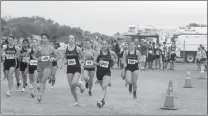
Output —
(198, 58)
(118, 49)
(203, 56)
(143, 51)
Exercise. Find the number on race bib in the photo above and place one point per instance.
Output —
(71, 62)
(33, 62)
(104, 64)
(45, 58)
(130, 61)
(10, 56)
(25, 59)
(150, 51)
(89, 62)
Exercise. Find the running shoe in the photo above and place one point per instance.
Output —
(18, 87)
(76, 104)
(99, 104)
(90, 93)
(32, 94)
(39, 99)
(8, 93)
(23, 90)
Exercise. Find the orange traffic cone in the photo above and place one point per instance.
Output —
(188, 80)
(202, 74)
(169, 99)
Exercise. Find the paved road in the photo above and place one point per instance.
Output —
(152, 87)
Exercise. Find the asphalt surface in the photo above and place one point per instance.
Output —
(152, 88)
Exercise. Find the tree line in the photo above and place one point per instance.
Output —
(26, 26)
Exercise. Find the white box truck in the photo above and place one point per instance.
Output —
(188, 44)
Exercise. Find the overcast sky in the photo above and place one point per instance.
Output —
(110, 17)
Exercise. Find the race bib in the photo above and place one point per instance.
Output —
(104, 64)
(130, 61)
(33, 62)
(45, 58)
(150, 51)
(25, 59)
(10, 56)
(89, 62)
(71, 62)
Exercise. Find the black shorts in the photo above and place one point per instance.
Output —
(9, 63)
(164, 59)
(149, 58)
(157, 56)
(54, 63)
(73, 70)
(32, 69)
(23, 66)
(173, 57)
(132, 68)
(100, 74)
(89, 69)
(18, 64)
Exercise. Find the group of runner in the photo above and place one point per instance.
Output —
(25, 58)
(39, 60)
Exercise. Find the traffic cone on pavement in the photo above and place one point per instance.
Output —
(202, 74)
(169, 99)
(188, 81)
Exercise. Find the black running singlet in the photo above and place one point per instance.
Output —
(106, 61)
(10, 53)
(72, 57)
(132, 59)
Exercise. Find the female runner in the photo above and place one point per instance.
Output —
(17, 68)
(32, 67)
(89, 68)
(23, 63)
(72, 54)
(123, 72)
(132, 58)
(104, 60)
(11, 54)
(43, 55)
(52, 79)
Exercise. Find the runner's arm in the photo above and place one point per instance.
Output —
(138, 56)
(3, 49)
(115, 57)
(124, 57)
(36, 55)
(28, 52)
(18, 52)
(64, 57)
(79, 51)
(95, 58)
(57, 56)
